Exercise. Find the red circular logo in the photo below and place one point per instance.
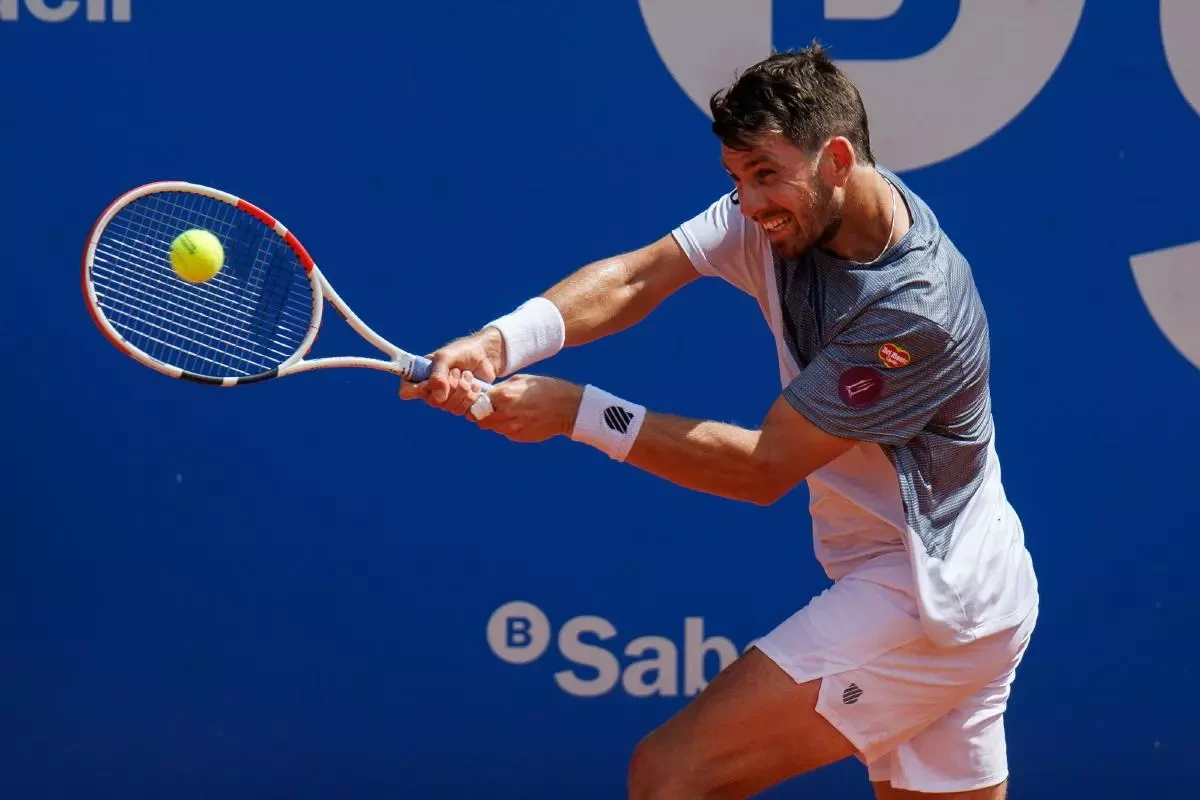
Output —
(860, 386)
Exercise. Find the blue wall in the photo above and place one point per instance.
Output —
(285, 590)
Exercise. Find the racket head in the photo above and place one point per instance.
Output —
(260, 313)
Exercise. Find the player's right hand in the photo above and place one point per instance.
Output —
(451, 382)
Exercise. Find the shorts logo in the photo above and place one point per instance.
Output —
(893, 356)
(860, 386)
(851, 694)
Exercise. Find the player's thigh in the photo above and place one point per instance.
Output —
(884, 791)
(751, 728)
(766, 717)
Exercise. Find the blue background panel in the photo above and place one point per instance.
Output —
(284, 590)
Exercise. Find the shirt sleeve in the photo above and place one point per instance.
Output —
(721, 242)
(881, 379)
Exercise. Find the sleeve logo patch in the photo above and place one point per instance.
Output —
(893, 356)
(860, 386)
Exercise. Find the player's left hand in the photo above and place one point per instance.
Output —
(531, 408)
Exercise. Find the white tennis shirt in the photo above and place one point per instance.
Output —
(894, 354)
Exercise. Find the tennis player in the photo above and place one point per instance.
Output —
(906, 661)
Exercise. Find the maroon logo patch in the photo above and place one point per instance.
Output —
(860, 386)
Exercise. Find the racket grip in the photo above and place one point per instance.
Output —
(422, 367)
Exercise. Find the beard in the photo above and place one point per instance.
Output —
(816, 229)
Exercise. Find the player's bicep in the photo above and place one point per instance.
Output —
(659, 269)
(791, 446)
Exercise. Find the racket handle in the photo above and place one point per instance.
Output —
(422, 367)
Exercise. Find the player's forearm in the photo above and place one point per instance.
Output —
(756, 466)
(711, 457)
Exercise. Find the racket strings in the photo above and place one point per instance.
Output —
(133, 296)
(252, 316)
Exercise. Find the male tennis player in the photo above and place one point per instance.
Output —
(906, 660)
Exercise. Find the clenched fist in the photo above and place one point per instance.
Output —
(451, 383)
(532, 408)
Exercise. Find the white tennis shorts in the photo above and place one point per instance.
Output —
(923, 718)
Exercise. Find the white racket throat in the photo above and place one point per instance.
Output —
(399, 363)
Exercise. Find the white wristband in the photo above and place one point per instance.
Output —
(607, 422)
(533, 332)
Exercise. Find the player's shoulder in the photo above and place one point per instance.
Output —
(718, 241)
(721, 219)
(927, 277)
(924, 298)
(725, 205)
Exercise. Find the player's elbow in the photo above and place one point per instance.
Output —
(766, 496)
(774, 472)
(767, 484)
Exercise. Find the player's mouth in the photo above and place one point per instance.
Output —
(776, 225)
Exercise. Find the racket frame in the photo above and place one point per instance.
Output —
(399, 361)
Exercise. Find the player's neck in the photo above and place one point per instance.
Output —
(874, 217)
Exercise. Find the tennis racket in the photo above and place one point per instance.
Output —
(255, 320)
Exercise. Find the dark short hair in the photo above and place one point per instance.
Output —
(800, 94)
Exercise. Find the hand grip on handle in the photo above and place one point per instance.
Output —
(421, 369)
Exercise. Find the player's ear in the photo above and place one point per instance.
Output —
(837, 161)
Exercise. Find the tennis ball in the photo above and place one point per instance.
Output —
(197, 255)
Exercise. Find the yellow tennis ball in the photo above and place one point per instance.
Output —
(197, 255)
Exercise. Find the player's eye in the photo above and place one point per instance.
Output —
(764, 175)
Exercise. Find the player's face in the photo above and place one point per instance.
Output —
(780, 189)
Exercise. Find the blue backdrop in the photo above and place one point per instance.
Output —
(288, 590)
